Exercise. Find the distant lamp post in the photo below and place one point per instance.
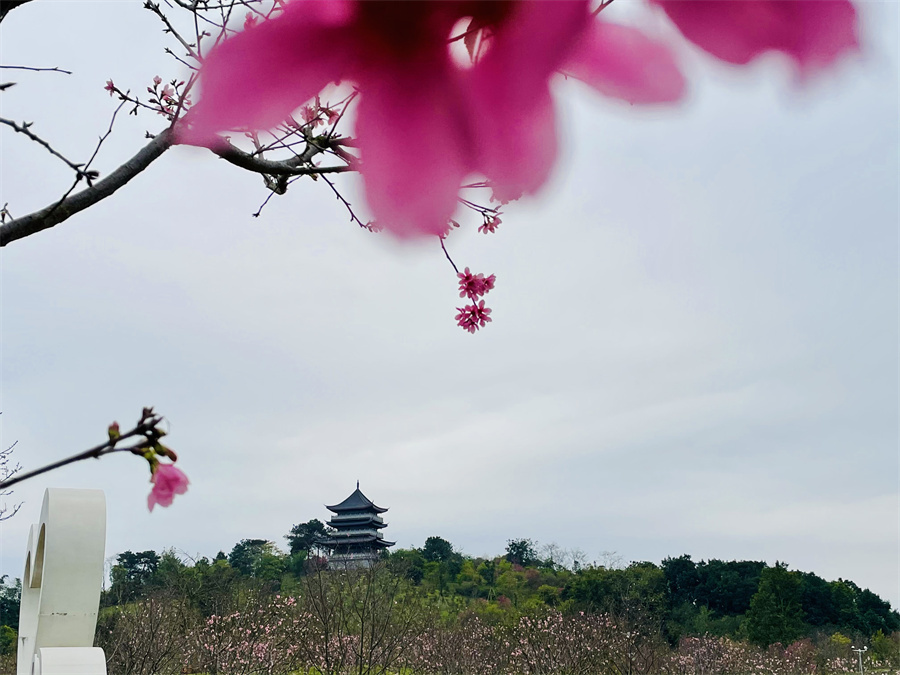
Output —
(860, 652)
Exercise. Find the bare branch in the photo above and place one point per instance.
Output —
(60, 211)
(8, 470)
(25, 128)
(153, 7)
(371, 227)
(446, 253)
(55, 69)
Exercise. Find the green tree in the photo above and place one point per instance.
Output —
(8, 637)
(886, 648)
(522, 552)
(818, 604)
(776, 612)
(682, 579)
(437, 549)
(247, 555)
(409, 563)
(875, 614)
(728, 587)
(304, 536)
(9, 602)
(131, 575)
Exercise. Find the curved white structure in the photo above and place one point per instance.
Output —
(61, 586)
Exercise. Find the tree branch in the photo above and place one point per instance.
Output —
(55, 69)
(62, 210)
(296, 166)
(147, 428)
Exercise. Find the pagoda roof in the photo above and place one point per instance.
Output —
(356, 502)
(339, 541)
(346, 522)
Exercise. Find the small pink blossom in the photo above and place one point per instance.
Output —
(157, 80)
(333, 116)
(490, 225)
(168, 481)
(310, 115)
(473, 286)
(110, 87)
(473, 317)
(250, 20)
(813, 34)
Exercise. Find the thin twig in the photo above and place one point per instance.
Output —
(48, 70)
(24, 128)
(455, 268)
(154, 7)
(353, 217)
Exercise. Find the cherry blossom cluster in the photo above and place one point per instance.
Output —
(315, 114)
(473, 286)
(168, 100)
(490, 224)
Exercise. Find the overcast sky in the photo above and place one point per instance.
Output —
(694, 346)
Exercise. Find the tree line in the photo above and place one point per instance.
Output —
(733, 602)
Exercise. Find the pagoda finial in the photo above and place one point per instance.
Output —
(357, 483)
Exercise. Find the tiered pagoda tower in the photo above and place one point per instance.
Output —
(356, 541)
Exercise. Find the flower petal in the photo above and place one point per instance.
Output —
(516, 133)
(814, 34)
(257, 78)
(622, 62)
(414, 144)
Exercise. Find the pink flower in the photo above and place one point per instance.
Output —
(310, 114)
(110, 87)
(157, 80)
(473, 286)
(813, 34)
(473, 317)
(168, 481)
(490, 225)
(423, 121)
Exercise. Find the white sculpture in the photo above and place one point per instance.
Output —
(61, 586)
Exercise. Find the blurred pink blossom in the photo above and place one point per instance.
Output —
(495, 118)
(813, 34)
(168, 481)
(490, 225)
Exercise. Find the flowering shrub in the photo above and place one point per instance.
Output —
(249, 641)
(147, 637)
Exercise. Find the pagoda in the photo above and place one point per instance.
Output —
(355, 540)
